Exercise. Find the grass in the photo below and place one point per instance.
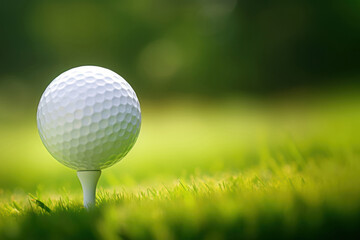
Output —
(201, 169)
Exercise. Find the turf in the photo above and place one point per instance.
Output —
(202, 169)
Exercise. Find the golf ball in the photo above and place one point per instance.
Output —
(89, 118)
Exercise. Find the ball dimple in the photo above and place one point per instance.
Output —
(100, 91)
(59, 131)
(75, 133)
(98, 150)
(86, 121)
(67, 137)
(120, 117)
(74, 143)
(61, 93)
(60, 86)
(117, 127)
(81, 81)
(77, 124)
(122, 132)
(124, 125)
(112, 120)
(134, 118)
(84, 131)
(117, 93)
(128, 118)
(107, 146)
(96, 117)
(108, 131)
(100, 134)
(124, 92)
(129, 128)
(103, 123)
(94, 127)
(91, 92)
(112, 137)
(97, 107)
(109, 95)
(109, 87)
(88, 111)
(89, 118)
(90, 78)
(79, 76)
(80, 104)
(91, 137)
(122, 108)
(66, 145)
(99, 80)
(115, 102)
(99, 98)
(107, 104)
(117, 85)
(89, 146)
(83, 140)
(105, 114)
(78, 114)
(67, 127)
(65, 102)
(73, 94)
(69, 117)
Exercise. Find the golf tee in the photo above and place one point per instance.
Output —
(89, 180)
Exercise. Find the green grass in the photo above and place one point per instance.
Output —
(202, 169)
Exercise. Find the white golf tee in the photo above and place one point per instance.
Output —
(89, 180)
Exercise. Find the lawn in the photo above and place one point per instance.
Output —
(201, 169)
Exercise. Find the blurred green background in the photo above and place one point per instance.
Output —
(209, 47)
(216, 80)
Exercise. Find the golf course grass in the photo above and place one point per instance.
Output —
(201, 169)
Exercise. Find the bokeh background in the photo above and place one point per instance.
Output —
(216, 79)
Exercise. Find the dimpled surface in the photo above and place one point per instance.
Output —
(89, 118)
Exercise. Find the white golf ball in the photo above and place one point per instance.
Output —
(89, 118)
